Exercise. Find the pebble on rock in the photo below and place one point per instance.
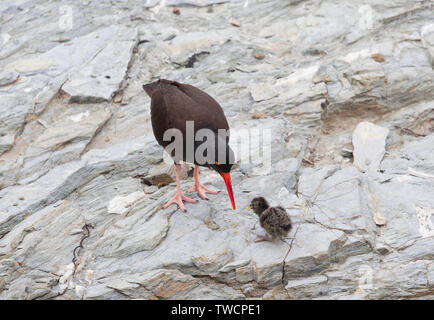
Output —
(378, 57)
(259, 55)
(235, 23)
(259, 115)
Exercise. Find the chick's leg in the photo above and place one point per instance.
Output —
(264, 238)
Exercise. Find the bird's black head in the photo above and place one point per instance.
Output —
(224, 157)
(259, 205)
(224, 170)
(221, 167)
(216, 155)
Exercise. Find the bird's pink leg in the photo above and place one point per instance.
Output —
(200, 188)
(179, 197)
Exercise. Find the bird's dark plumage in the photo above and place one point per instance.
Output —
(274, 220)
(173, 105)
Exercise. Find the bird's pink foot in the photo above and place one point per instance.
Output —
(202, 190)
(178, 199)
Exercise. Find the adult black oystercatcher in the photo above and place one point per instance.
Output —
(173, 106)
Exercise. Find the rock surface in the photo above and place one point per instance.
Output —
(101, 77)
(369, 141)
(79, 163)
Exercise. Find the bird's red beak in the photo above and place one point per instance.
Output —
(227, 178)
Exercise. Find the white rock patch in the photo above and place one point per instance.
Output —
(426, 226)
(122, 204)
(369, 141)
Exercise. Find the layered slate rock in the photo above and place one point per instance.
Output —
(102, 76)
(82, 182)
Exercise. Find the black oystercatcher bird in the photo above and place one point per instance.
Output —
(274, 220)
(173, 105)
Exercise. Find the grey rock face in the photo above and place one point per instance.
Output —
(6, 142)
(101, 77)
(427, 34)
(79, 163)
(8, 77)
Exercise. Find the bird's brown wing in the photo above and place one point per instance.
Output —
(177, 102)
(210, 111)
(173, 104)
(171, 109)
(159, 116)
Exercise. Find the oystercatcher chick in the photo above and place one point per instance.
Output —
(274, 220)
(175, 109)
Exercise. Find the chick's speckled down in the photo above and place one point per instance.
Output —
(276, 222)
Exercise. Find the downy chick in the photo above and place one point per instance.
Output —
(274, 220)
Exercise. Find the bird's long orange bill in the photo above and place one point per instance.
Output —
(227, 178)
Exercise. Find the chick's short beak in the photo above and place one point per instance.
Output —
(249, 208)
